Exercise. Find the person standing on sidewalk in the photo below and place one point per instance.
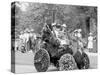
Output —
(90, 42)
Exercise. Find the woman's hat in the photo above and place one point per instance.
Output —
(90, 33)
(53, 24)
(64, 25)
(79, 30)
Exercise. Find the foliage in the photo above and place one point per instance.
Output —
(36, 14)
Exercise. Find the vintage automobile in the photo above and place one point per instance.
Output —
(51, 50)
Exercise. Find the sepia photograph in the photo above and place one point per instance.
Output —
(49, 37)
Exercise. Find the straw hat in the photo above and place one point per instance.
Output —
(53, 23)
(32, 30)
(21, 32)
(90, 33)
(76, 30)
(79, 30)
(27, 30)
(64, 25)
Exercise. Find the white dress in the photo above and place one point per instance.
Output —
(24, 37)
(61, 37)
(90, 42)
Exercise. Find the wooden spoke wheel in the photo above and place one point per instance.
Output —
(82, 60)
(85, 61)
(67, 62)
(41, 60)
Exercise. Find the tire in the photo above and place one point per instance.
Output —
(67, 62)
(78, 59)
(41, 60)
(85, 61)
(82, 60)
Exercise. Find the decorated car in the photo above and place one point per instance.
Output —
(55, 48)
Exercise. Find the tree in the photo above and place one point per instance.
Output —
(36, 14)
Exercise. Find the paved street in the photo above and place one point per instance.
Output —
(24, 62)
